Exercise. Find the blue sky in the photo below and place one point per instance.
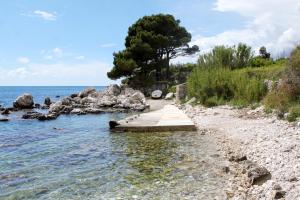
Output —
(64, 42)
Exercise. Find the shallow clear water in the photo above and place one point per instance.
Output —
(76, 157)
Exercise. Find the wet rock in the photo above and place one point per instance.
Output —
(4, 119)
(73, 95)
(24, 102)
(32, 115)
(86, 92)
(157, 94)
(93, 110)
(5, 112)
(113, 124)
(47, 117)
(169, 96)
(47, 101)
(37, 105)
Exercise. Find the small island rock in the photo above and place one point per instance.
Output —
(47, 101)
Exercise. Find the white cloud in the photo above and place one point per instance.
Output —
(23, 60)
(52, 54)
(87, 73)
(57, 52)
(270, 23)
(45, 15)
(79, 57)
(108, 45)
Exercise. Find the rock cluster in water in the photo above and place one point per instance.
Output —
(114, 98)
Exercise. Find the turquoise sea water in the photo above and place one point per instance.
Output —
(77, 157)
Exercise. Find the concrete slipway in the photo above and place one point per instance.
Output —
(169, 118)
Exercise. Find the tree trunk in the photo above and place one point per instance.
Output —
(168, 66)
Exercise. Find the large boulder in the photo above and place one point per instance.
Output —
(24, 102)
(157, 94)
(137, 97)
(113, 90)
(86, 92)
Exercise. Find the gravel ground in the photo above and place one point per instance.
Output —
(264, 140)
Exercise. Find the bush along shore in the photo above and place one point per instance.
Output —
(112, 99)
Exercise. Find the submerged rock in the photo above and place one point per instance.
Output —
(32, 115)
(39, 116)
(24, 102)
(4, 119)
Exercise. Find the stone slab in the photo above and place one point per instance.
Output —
(170, 118)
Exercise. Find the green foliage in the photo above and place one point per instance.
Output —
(294, 113)
(172, 89)
(234, 57)
(150, 44)
(179, 73)
(213, 86)
(287, 94)
(260, 62)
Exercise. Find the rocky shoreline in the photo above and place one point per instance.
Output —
(262, 151)
(89, 101)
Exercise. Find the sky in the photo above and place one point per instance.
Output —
(67, 42)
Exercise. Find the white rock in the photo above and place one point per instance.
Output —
(156, 94)
(169, 96)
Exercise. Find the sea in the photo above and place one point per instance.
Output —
(78, 157)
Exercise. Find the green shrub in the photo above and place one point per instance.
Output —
(294, 113)
(234, 57)
(219, 85)
(260, 62)
(172, 89)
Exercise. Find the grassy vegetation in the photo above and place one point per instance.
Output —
(220, 85)
(232, 75)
